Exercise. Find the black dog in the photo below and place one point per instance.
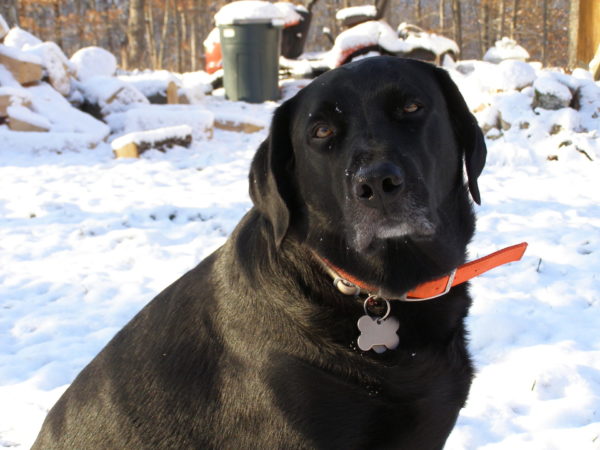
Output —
(255, 348)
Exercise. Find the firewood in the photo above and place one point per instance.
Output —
(132, 145)
(25, 72)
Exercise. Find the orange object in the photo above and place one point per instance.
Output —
(441, 286)
(467, 271)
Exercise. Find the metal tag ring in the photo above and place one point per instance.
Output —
(373, 297)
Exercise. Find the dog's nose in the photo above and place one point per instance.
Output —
(377, 183)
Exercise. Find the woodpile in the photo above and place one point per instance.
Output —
(83, 101)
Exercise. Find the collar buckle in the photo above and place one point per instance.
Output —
(346, 287)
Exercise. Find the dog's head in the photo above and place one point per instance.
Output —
(369, 159)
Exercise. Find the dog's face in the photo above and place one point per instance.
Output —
(369, 158)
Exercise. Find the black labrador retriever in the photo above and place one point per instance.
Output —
(256, 348)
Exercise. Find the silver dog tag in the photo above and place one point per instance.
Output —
(378, 334)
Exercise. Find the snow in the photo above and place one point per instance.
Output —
(20, 39)
(506, 48)
(151, 136)
(249, 11)
(362, 35)
(18, 94)
(87, 240)
(550, 85)
(24, 114)
(379, 32)
(150, 82)
(514, 75)
(15, 53)
(7, 79)
(111, 94)
(289, 13)
(93, 61)
(149, 117)
(55, 62)
(429, 41)
(62, 116)
(366, 10)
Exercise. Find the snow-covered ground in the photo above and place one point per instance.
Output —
(86, 240)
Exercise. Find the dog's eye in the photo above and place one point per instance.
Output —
(411, 108)
(323, 132)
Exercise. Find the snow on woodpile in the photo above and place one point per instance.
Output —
(93, 61)
(506, 48)
(23, 119)
(57, 66)
(110, 94)
(519, 102)
(150, 83)
(134, 144)
(21, 39)
(418, 38)
(51, 103)
(149, 117)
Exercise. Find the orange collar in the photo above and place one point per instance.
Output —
(349, 285)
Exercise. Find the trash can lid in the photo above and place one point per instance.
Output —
(249, 11)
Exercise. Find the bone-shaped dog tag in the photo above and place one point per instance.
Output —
(378, 334)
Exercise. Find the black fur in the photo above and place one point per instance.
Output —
(255, 348)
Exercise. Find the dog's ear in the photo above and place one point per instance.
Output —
(271, 173)
(467, 131)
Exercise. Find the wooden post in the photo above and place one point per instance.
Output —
(584, 32)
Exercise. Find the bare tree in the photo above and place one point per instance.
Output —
(136, 35)
(442, 15)
(513, 20)
(457, 22)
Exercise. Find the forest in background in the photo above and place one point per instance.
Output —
(168, 34)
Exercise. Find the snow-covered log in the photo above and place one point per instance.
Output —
(105, 95)
(13, 96)
(151, 117)
(57, 66)
(238, 122)
(132, 145)
(25, 68)
(21, 118)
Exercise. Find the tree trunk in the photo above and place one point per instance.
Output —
(545, 33)
(150, 33)
(184, 58)
(418, 13)
(177, 23)
(442, 14)
(584, 33)
(57, 24)
(81, 12)
(513, 20)
(163, 35)
(502, 13)
(135, 34)
(194, 38)
(485, 26)
(457, 23)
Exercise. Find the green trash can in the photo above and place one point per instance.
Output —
(250, 50)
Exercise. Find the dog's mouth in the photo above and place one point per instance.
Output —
(367, 226)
